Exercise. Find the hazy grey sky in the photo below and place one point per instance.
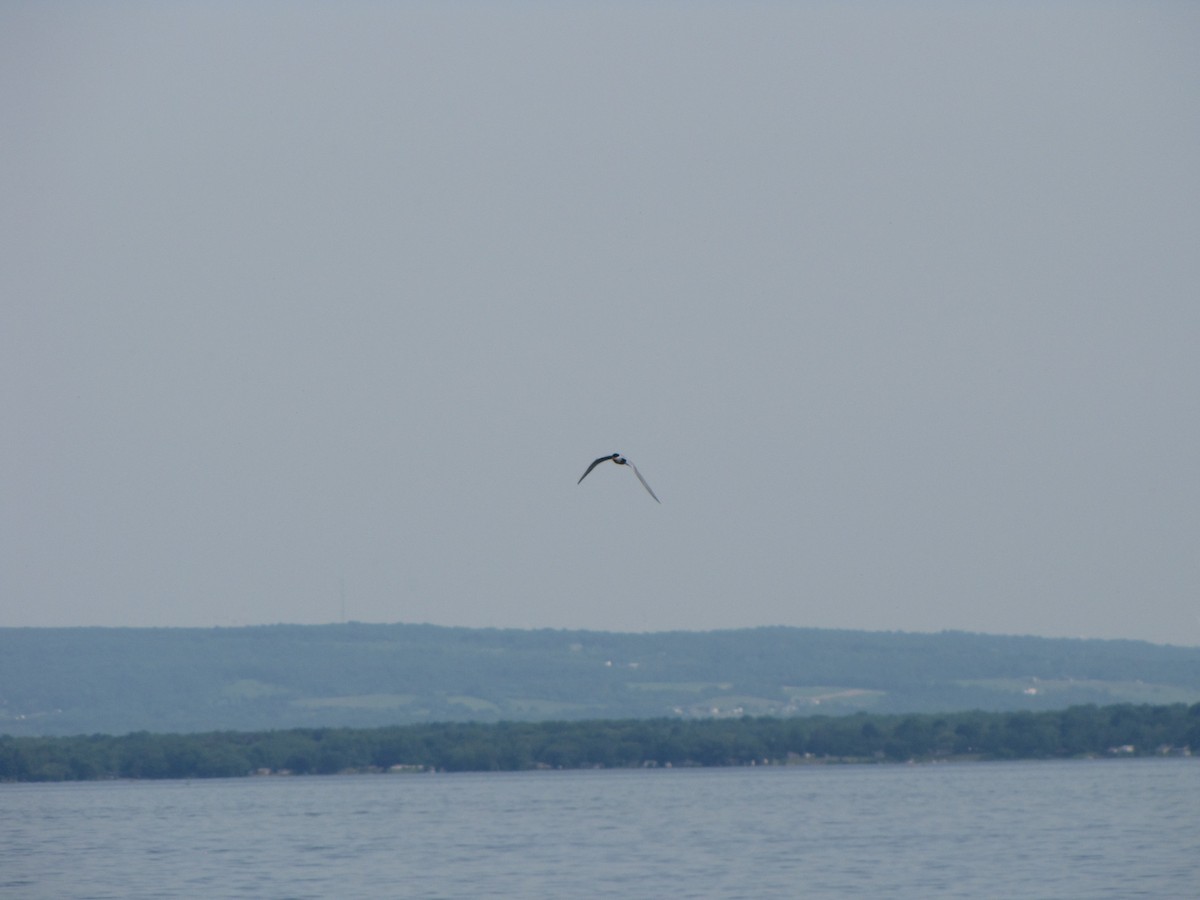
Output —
(894, 305)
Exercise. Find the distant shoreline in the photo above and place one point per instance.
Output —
(1081, 732)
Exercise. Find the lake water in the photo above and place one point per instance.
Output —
(1105, 828)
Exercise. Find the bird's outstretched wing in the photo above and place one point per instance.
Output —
(642, 480)
(592, 466)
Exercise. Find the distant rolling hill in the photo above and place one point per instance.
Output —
(118, 680)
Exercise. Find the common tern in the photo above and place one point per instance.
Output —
(620, 461)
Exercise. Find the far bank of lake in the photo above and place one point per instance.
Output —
(1078, 732)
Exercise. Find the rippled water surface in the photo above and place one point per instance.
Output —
(1112, 828)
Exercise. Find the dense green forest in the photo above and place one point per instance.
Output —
(1078, 731)
(62, 681)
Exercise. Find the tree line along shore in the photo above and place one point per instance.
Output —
(1082, 731)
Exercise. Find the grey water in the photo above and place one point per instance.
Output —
(1104, 828)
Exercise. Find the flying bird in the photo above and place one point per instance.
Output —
(620, 461)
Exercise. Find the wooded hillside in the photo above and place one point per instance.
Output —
(113, 681)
